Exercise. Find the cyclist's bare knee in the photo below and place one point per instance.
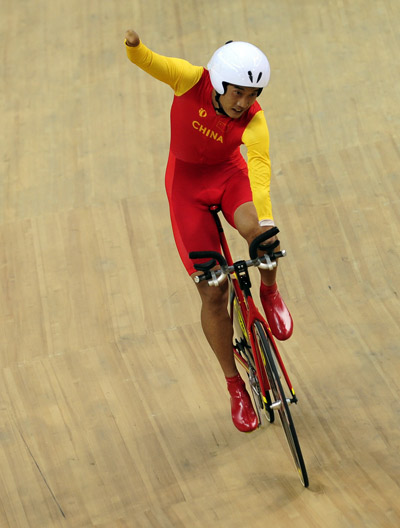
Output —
(249, 236)
(213, 297)
(246, 221)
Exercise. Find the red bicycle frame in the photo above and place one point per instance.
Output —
(250, 314)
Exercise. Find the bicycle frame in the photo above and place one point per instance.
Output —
(253, 344)
(250, 314)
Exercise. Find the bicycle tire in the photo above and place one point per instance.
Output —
(241, 344)
(267, 351)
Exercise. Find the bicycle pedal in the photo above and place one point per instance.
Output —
(276, 405)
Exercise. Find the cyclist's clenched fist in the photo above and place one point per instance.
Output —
(132, 38)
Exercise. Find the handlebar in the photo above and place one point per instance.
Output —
(213, 255)
(258, 243)
(215, 277)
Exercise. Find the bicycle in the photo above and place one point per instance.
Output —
(254, 347)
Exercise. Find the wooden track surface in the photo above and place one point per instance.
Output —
(113, 411)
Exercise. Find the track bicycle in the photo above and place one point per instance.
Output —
(254, 347)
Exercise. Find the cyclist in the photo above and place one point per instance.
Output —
(214, 111)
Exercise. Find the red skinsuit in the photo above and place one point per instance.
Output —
(205, 165)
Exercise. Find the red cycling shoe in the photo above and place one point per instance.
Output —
(278, 316)
(243, 415)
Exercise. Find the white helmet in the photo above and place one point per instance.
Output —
(238, 63)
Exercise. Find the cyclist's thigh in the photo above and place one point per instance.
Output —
(189, 198)
(237, 192)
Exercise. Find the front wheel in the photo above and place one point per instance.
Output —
(243, 350)
(280, 402)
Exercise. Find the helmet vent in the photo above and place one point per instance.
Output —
(250, 76)
(259, 76)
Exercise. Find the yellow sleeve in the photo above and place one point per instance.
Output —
(256, 139)
(179, 74)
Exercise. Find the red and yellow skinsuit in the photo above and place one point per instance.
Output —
(205, 165)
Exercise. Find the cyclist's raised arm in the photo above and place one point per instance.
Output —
(179, 74)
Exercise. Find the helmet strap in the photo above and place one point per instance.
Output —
(219, 107)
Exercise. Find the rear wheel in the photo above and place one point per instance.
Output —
(280, 403)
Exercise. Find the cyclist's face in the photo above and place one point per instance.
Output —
(237, 99)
